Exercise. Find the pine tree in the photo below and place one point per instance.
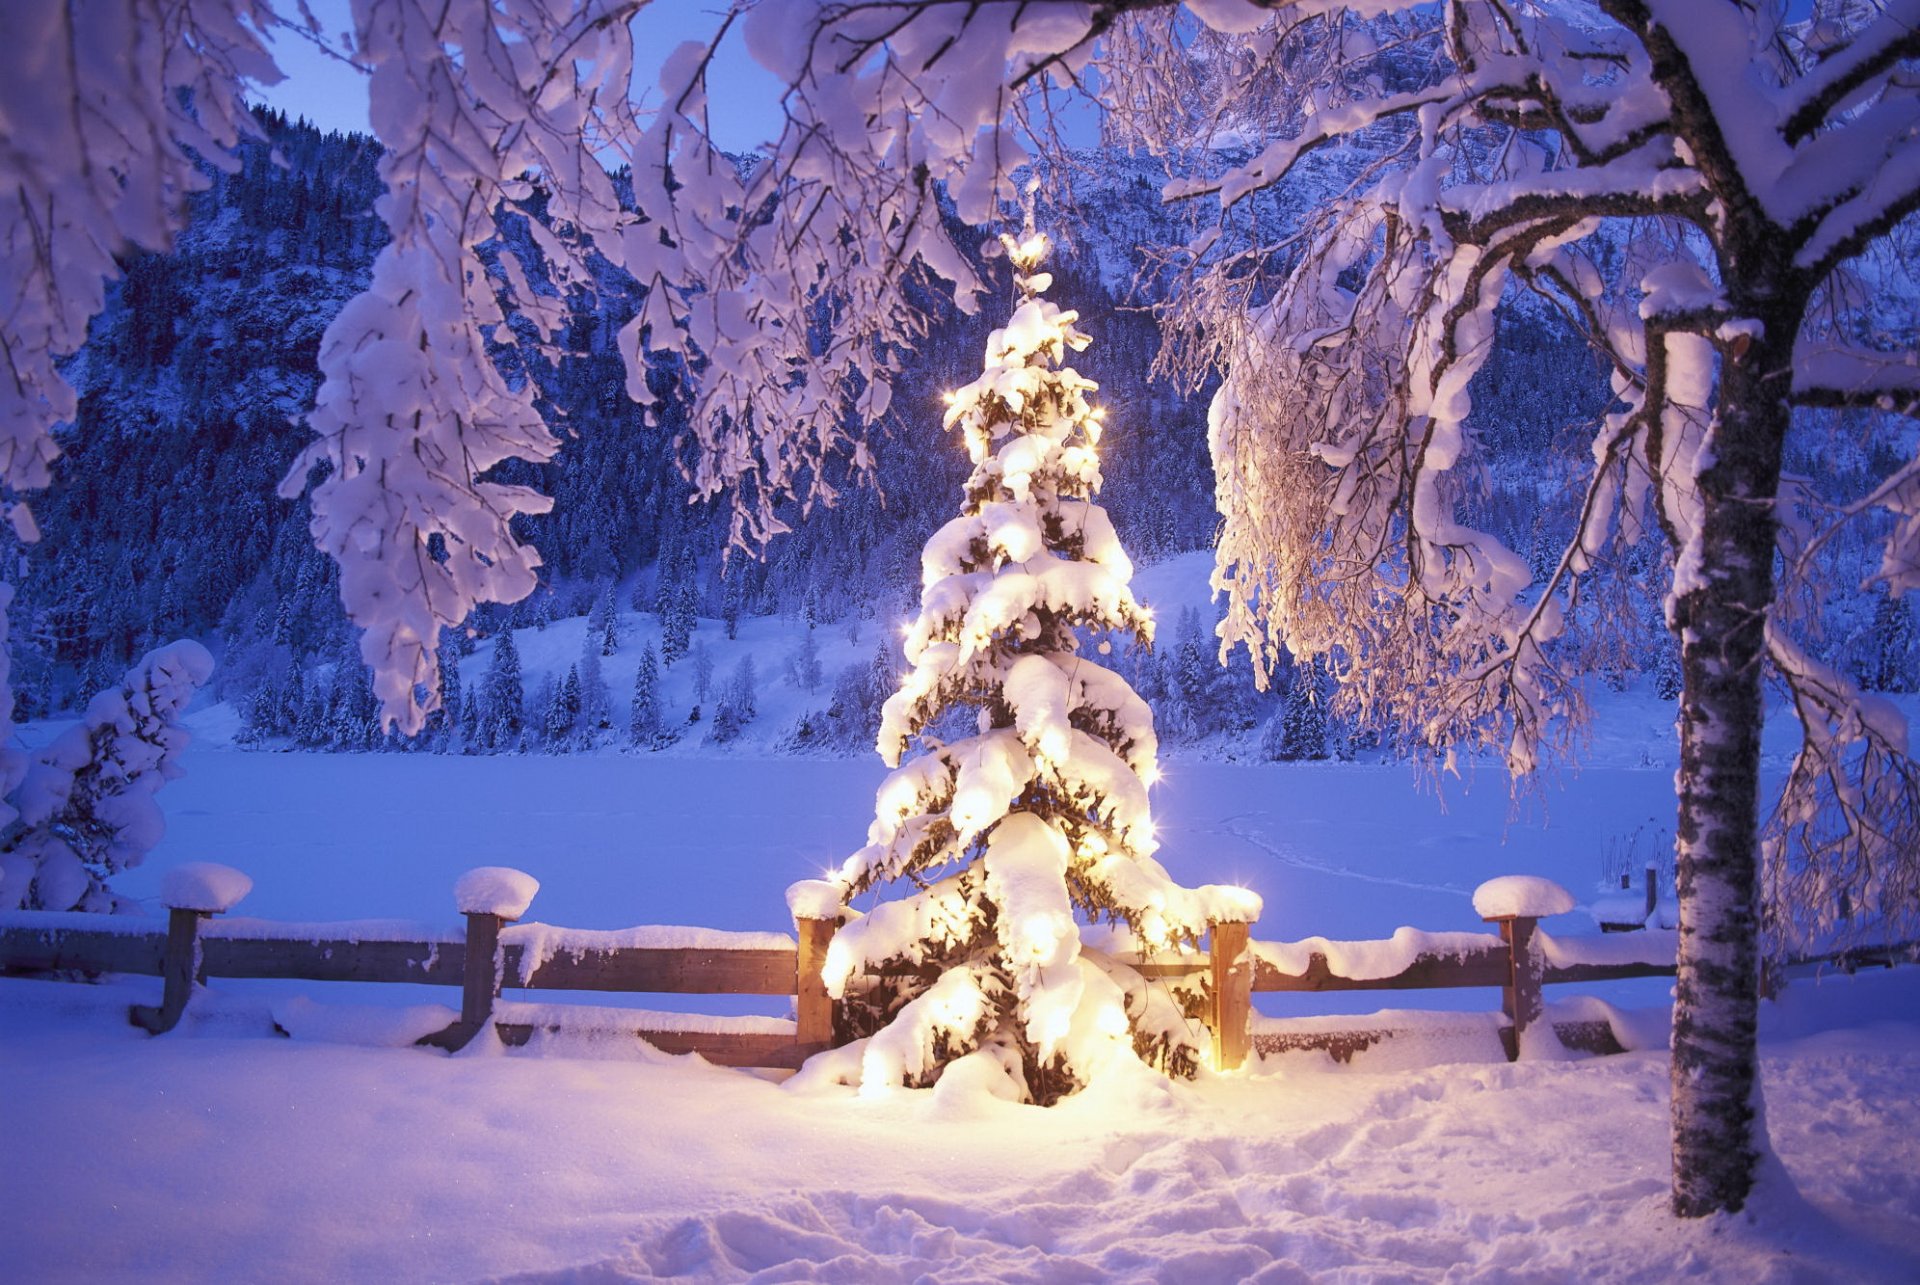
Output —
(1001, 844)
(1193, 680)
(676, 623)
(293, 699)
(359, 709)
(733, 594)
(743, 690)
(605, 624)
(1303, 727)
(686, 599)
(596, 702)
(311, 731)
(727, 722)
(469, 721)
(503, 698)
(451, 702)
(260, 715)
(1891, 667)
(644, 727)
(563, 711)
(1666, 672)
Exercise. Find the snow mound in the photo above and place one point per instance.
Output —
(495, 890)
(815, 899)
(204, 885)
(1521, 896)
(367, 1025)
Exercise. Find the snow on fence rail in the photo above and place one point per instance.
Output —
(1520, 960)
(492, 953)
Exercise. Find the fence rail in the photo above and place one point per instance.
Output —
(192, 947)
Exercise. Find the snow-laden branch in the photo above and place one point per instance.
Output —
(1851, 71)
(111, 105)
(1838, 863)
(1843, 375)
(109, 108)
(413, 412)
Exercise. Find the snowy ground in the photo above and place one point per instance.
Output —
(220, 1153)
(223, 1152)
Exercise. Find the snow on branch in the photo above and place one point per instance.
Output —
(1850, 71)
(111, 107)
(1839, 851)
(413, 412)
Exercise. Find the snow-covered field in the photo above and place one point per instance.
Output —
(224, 1152)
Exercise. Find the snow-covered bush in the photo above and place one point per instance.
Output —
(1007, 841)
(86, 807)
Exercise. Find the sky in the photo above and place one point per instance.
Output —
(743, 102)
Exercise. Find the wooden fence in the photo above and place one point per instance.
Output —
(481, 963)
(491, 956)
(1515, 961)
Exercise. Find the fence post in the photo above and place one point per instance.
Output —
(179, 969)
(1232, 993)
(191, 893)
(479, 983)
(1520, 997)
(488, 896)
(812, 1006)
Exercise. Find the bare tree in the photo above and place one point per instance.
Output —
(1703, 190)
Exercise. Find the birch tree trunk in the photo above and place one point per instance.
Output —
(1722, 625)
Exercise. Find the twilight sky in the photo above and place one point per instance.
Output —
(743, 99)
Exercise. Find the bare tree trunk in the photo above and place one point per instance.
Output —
(1722, 621)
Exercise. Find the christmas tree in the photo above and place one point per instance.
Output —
(1005, 843)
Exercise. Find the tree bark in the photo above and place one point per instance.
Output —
(1722, 622)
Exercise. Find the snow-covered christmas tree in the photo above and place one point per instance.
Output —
(1008, 841)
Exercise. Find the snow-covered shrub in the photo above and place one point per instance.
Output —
(85, 806)
(728, 722)
(1005, 842)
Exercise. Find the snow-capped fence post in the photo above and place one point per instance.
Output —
(191, 893)
(488, 896)
(817, 912)
(1517, 903)
(1232, 977)
(1520, 997)
(812, 1006)
(481, 981)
